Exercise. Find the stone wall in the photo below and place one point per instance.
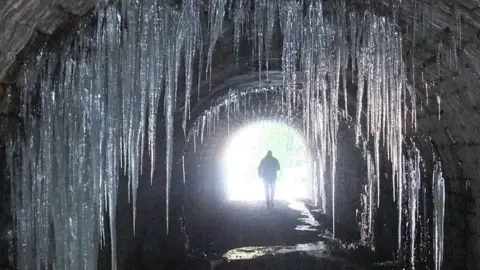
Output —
(454, 122)
(23, 20)
(454, 24)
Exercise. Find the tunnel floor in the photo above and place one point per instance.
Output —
(246, 235)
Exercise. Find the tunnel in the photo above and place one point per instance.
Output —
(114, 116)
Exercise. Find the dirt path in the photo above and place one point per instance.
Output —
(246, 235)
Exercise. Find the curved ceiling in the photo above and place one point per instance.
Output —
(441, 47)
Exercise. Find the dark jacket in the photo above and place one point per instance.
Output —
(268, 168)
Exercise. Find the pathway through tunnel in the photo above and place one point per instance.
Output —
(249, 145)
(240, 232)
(97, 123)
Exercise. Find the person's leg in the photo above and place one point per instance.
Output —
(272, 192)
(267, 193)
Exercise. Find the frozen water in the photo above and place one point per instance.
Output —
(438, 186)
(100, 97)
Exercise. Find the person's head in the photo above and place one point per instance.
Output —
(269, 153)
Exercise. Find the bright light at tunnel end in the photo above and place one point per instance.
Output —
(246, 149)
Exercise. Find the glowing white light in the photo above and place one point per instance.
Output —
(245, 151)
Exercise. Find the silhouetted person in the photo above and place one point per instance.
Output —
(268, 171)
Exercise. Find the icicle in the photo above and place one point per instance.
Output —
(259, 14)
(290, 18)
(216, 12)
(191, 9)
(238, 21)
(169, 107)
(414, 173)
(368, 203)
(439, 108)
(183, 168)
(426, 88)
(439, 59)
(438, 187)
(202, 128)
(156, 78)
(107, 92)
(200, 66)
(272, 13)
(458, 27)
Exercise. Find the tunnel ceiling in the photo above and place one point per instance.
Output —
(26, 23)
(455, 24)
(442, 61)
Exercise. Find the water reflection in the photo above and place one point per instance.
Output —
(309, 223)
(318, 249)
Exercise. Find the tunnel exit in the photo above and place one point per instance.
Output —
(249, 145)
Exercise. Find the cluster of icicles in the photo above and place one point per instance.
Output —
(417, 184)
(100, 96)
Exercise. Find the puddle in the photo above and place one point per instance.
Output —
(309, 222)
(305, 228)
(247, 253)
(390, 264)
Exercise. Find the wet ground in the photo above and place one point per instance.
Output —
(246, 235)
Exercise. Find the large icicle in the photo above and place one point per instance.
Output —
(414, 175)
(438, 189)
(216, 11)
(192, 31)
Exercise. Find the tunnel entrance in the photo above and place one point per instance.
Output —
(248, 146)
(151, 72)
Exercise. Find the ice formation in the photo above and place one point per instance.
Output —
(100, 96)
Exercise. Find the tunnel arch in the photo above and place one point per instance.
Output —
(255, 107)
(294, 181)
(456, 132)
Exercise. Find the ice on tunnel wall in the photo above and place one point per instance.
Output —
(438, 189)
(368, 202)
(100, 95)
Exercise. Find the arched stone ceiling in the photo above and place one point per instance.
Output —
(449, 26)
(23, 20)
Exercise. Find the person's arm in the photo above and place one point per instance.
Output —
(278, 165)
(260, 169)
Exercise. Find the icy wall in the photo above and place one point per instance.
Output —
(89, 108)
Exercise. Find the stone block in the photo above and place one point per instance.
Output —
(77, 7)
(476, 248)
(475, 188)
(470, 260)
(466, 154)
(442, 17)
(472, 222)
(3, 99)
(440, 137)
(469, 166)
(51, 20)
(458, 220)
(472, 53)
(13, 35)
(454, 260)
(18, 20)
(425, 126)
(23, 13)
(455, 235)
(472, 243)
(469, 98)
(456, 187)
(5, 62)
(474, 17)
(450, 163)
(459, 203)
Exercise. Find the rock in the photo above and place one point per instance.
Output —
(19, 19)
